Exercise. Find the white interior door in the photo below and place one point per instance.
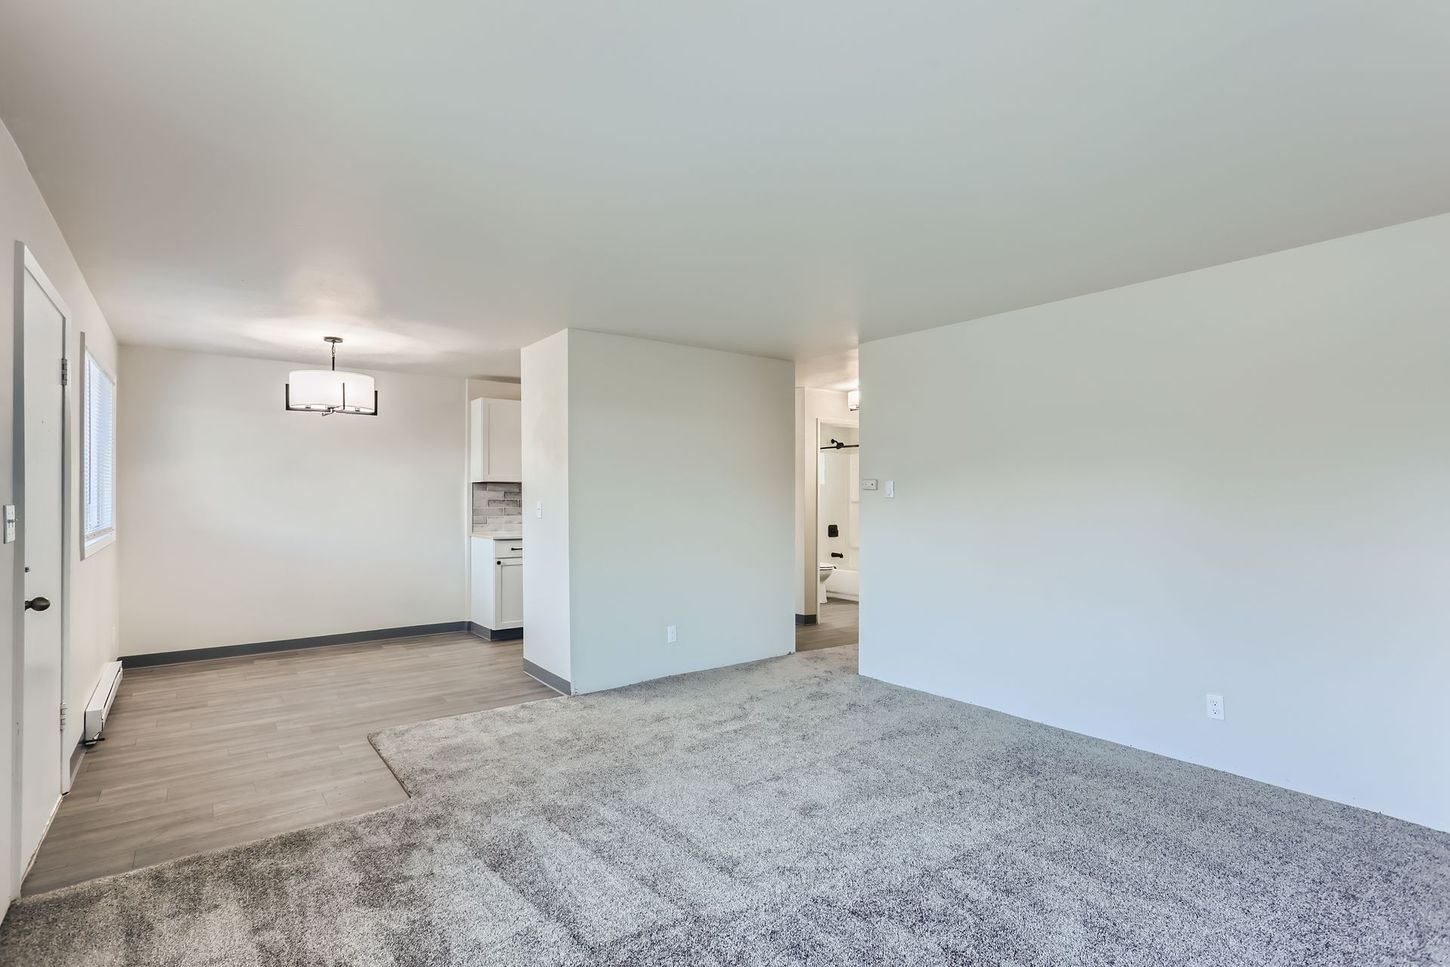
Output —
(41, 512)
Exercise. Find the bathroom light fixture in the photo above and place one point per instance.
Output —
(329, 391)
(853, 400)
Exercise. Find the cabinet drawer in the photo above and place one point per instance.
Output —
(503, 550)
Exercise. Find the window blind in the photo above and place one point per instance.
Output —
(98, 474)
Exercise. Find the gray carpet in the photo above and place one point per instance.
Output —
(787, 812)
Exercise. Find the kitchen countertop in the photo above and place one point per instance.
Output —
(513, 535)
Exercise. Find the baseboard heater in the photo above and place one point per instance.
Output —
(101, 701)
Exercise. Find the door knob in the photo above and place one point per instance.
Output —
(37, 604)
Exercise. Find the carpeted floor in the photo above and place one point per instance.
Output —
(786, 812)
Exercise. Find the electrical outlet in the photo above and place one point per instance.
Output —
(1215, 706)
(868, 483)
(670, 635)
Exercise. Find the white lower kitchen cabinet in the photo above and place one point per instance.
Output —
(509, 593)
(498, 588)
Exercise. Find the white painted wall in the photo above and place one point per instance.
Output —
(680, 508)
(545, 416)
(1232, 481)
(680, 504)
(95, 592)
(24, 217)
(812, 406)
(494, 389)
(241, 522)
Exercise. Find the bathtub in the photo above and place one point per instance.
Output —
(844, 584)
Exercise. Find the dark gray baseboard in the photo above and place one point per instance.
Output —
(560, 685)
(76, 755)
(806, 619)
(489, 634)
(289, 644)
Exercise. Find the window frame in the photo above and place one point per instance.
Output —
(92, 542)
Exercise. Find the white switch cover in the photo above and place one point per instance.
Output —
(539, 509)
(670, 636)
(9, 523)
(868, 483)
(891, 488)
(1215, 706)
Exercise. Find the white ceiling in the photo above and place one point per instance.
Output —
(444, 182)
(837, 371)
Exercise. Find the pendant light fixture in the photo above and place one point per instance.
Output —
(328, 391)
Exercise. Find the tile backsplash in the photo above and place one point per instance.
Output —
(498, 506)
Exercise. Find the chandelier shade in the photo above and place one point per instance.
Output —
(333, 390)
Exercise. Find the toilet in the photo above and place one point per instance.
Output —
(825, 574)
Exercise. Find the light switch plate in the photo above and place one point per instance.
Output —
(891, 488)
(9, 524)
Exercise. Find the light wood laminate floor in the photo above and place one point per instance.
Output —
(202, 755)
(836, 624)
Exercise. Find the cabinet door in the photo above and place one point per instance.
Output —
(483, 595)
(510, 586)
(505, 441)
(477, 441)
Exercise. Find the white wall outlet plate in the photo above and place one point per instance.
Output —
(670, 635)
(891, 488)
(868, 483)
(1215, 706)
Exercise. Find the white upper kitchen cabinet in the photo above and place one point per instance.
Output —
(495, 441)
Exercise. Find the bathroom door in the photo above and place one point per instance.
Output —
(41, 550)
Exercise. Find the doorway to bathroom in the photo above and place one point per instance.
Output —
(838, 529)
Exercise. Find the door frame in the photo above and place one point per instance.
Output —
(27, 264)
(845, 423)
